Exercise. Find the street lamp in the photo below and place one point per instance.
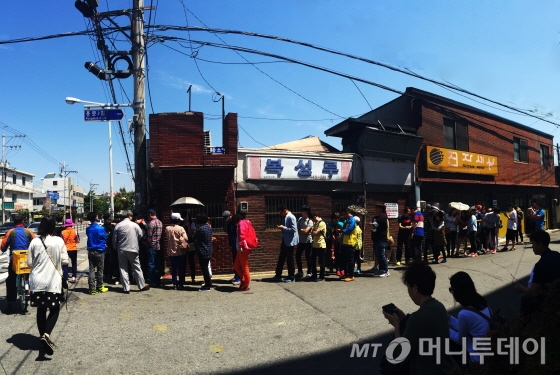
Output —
(131, 179)
(88, 104)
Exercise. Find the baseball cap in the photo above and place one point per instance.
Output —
(357, 219)
(226, 213)
(176, 216)
(151, 212)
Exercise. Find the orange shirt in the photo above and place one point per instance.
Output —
(70, 238)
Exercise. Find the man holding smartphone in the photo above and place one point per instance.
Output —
(290, 239)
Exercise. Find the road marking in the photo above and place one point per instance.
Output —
(216, 348)
(160, 328)
(125, 315)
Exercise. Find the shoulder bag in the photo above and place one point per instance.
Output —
(63, 280)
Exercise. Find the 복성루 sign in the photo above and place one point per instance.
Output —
(293, 168)
(441, 159)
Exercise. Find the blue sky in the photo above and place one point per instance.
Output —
(505, 50)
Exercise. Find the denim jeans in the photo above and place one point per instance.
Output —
(380, 247)
(96, 259)
(348, 251)
(152, 265)
(303, 248)
(178, 269)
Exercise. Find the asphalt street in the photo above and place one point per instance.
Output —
(277, 328)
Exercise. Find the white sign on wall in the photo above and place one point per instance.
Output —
(392, 210)
(294, 168)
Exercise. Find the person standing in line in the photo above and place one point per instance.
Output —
(190, 226)
(46, 257)
(417, 234)
(331, 242)
(489, 223)
(231, 229)
(403, 236)
(530, 222)
(203, 243)
(438, 228)
(304, 225)
(538, 217)
(111, 261)
(319, 233)
(359, 248)
(479, 233)
(519, 233)
(451, 231)
(126, 239)
(428, 234)
(471, 227)
(97, 238)
(71, 240)
(511, 228)
(349, 241)
(153, 234)
(176, 250)
(18, 238)
(290, 238)
(241, 264)
(379, 235)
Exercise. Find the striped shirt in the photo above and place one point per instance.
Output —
(154, 233)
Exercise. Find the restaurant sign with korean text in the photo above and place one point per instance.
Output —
(297, 168)
(441, 159)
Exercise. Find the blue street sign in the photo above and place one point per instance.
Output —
(103, 114)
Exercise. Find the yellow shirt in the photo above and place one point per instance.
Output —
(319, 241)
(360, 243)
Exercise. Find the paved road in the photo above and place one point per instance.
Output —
(300, 328)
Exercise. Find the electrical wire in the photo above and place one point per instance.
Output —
(362, 94)
(250, 136)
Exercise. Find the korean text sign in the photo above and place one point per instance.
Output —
(296, 168)
(441, 159)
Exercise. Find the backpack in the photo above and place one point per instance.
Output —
(250, 236)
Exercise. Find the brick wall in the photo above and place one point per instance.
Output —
(486, 136)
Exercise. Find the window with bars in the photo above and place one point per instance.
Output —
(545, 156)
(294, 204)
(214, 211)
(339, 205)
(520, 150)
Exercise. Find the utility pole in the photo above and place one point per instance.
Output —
(4, 170)
(91, 195)
(140, 155)
(64, 174)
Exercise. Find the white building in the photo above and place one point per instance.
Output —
(16, 191)
(59, 193)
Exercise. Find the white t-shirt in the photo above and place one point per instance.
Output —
(512, 221)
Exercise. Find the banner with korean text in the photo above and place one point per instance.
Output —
(441, 159)
(296, 168)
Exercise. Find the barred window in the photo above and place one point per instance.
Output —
(339, 205)
(214, 211)
(294, 204)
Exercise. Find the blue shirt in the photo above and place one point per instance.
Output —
(539, 223)
(472, 223)
(96, 237)
(289, 232)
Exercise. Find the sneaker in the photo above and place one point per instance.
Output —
(493, 251)
(117, 282)
(308, 275)
(288, 280)
(398, 264)
(381, 274)
(341, 273)
(204, 289)
(236, 282)
(47, 345)
(102, 289)
(435, 261)
(319, 279)
(358, 272)
(93, 291)
(374, 270)
(232, 279)
(147, 287)
(298, 275)
(474, 255)
(277, 278)
(512, 249)
(244, 289)
(348, 279)
(480, 252)
(337, 273)
(444, 261)
(73, 280)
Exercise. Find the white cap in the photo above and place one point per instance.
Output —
(357, 219)
(176, 216)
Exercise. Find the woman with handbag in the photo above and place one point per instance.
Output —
(47, 254)
(177, 246)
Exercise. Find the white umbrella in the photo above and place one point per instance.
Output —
(187, 202)
(459, 206)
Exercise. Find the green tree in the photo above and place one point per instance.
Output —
(124, 200)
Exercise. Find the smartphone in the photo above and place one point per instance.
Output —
(389, 309)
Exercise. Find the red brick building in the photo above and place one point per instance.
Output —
(468, 154)
(263, 179)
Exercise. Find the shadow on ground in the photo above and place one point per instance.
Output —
(338, 361)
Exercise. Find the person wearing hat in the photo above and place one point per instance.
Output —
(97, 237)
(358, 250)
(177, 245)
(231, 228)
(71, 240)
(153, 236)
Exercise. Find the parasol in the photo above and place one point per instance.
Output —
(459, 206)
(186, 202)
(357, 210)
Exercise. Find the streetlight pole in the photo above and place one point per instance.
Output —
(70, 100)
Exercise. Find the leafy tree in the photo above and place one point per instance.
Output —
(124, 200)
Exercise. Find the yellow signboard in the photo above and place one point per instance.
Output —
(441, 159)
